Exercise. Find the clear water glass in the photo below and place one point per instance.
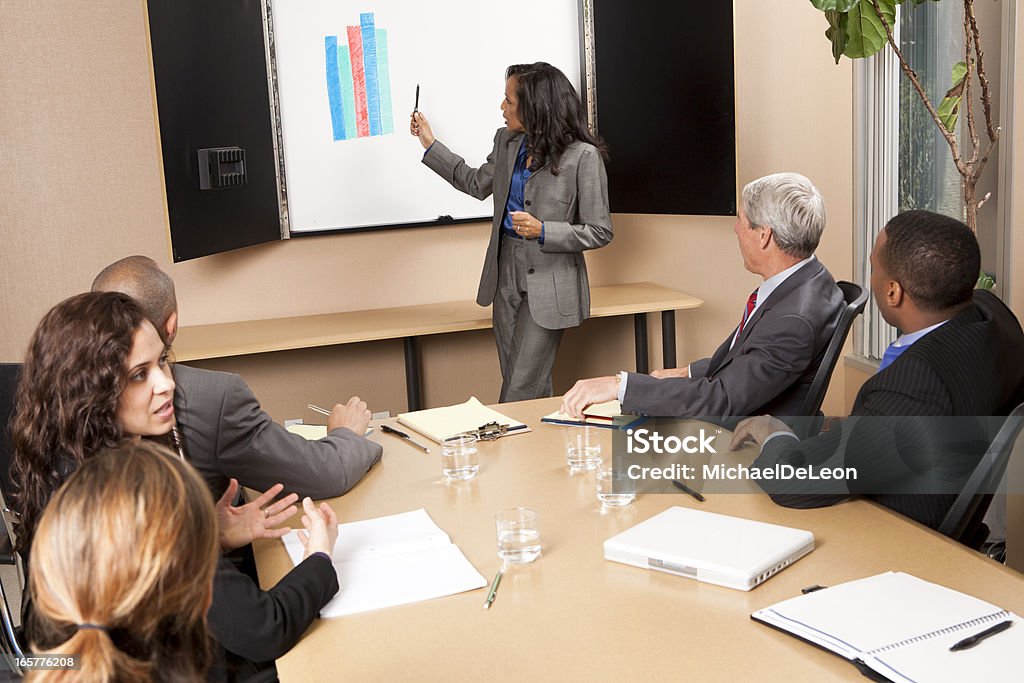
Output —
(518, 535)
(614, 487)
(582, 448)
(459, 458)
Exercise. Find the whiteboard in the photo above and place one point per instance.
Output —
(455, 50)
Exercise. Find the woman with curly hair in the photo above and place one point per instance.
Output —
(109, 580)
(546, 174)
(96, 372)
(69, 397)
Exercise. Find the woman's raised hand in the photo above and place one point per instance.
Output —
(321, 528)
(241, 525)
(419, 127)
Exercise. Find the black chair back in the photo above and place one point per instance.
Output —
(963, 522)
(10, 647)
(9, 375)
(855, 297)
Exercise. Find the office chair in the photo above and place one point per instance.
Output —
(9, 375)
(810, 424)
(963, 522)
(9, 643)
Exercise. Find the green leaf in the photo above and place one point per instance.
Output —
(865, 28)
(949, 107)
(949, 112)
(959, 71)
(841, 6)
(836, 33)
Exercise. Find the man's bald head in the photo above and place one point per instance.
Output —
(141, 278)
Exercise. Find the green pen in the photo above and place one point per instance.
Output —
(494, 589)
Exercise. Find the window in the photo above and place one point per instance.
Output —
(930, 39)
(902, 161)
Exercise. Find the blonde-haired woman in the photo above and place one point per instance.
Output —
(122, 569)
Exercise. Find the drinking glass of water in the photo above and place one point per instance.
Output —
(582, 448)
(614, 487)
(518, 535)
(458, 457)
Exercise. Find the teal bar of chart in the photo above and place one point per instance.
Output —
(358, 81)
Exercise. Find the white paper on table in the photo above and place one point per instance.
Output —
(315, 432)
(393, 560)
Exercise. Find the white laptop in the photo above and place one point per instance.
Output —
(727, 551)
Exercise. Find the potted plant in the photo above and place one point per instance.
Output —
(861, 28)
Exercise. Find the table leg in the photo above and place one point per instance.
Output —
(668, 338)
(640, 330)
(412, 375)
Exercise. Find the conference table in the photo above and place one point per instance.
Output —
(572, 615)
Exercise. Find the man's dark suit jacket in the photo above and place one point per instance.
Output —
(770, 367)
(226, 434)
(970, 366)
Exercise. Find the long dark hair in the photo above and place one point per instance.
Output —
(67, 398)
(551, 113)
(128, 546)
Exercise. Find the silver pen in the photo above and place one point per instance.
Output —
(318, 409)
(324, 411)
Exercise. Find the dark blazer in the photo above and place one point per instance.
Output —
(768, 370)
(226, 434)
(251, 625)
(971, 366)
(573, 206)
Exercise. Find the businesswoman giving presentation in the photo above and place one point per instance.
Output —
(547, 177)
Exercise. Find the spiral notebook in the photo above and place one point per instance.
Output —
(901, 627)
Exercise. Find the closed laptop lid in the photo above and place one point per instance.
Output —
(730, 550)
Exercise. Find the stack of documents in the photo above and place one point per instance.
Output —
(903, 627)
(393, 560)
(439, 423)
(607, 414)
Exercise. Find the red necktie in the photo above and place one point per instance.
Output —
(751, 302)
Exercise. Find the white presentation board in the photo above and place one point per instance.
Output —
(346, 80)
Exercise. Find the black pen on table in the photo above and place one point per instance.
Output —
(971, 641)
(402, 435)
(686, 489)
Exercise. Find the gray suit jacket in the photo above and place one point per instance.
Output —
(573, 206)
(226, 434)
(768, 370)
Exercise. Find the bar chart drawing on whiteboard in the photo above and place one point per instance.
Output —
(358, 81)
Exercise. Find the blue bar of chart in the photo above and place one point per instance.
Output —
(358, 81)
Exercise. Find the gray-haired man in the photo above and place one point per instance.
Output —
(768, 362)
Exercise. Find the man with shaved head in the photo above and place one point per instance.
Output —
(224, 431)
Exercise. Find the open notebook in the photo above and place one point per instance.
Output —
(902, 627)
(393, 560)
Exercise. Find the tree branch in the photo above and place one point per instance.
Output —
(980, 166)
(986, 91)
(950, 138)
(966, 102)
